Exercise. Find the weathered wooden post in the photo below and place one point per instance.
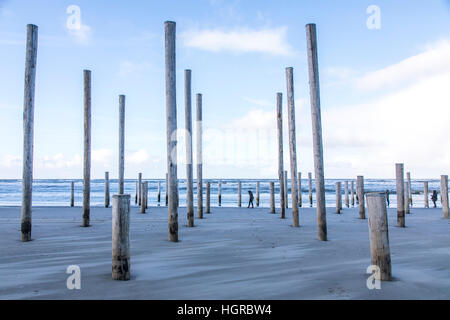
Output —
(408, 177)
(121, 143)
(106, 189)
(425, 194)
(317, 129)
(171, 112)
(208, 197)
(444, 195)
(338, 198)
(87, 150)
(379, 234)
(310, 197)
(159, 192)
(219, 193)
(167, 189)
(272, 197)
(28, 131)
(347, 202)
(280, 153)
(120, 237)
(406, 197)
(399, 175)
(257, 194)
(353, 193)
(292, 145)
(299, 189)
(189, 156)
(139, 188)
(72, 194)
(141, 196)
(360, 193)
(286, 190)
(199, 139)
(146, 194)
(239, 195)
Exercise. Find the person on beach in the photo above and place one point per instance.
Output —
(387, 197)
(250, 200)
(434, 197)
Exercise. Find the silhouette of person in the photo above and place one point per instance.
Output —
(387, 197)
(434, 197)
(250, 200)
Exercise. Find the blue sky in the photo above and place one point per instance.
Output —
(379, 103)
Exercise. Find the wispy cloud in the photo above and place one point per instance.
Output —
(81, 35)
(128, 67)
(243, 40)
(259, 102)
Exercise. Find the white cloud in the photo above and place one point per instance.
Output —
(139, 157)
(9, 161)
(82, 34)
(129, 67)
(272, 41)
(259, 102)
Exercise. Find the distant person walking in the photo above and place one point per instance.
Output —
(434, 197)
(250, 199)
(387, 197)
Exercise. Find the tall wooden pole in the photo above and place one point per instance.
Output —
(400, 184)
(257, 194)
(106, 189)
(407, 211)
(72, 194)
(272, 197)
(28, 130)
(139, 188)
(189, 157)
(408, 177)
(299, 189)
(286, 190)
(142, 188)
(219, 193)
(171, 113)
(120, 237)
(292, 144)
(87, 150)
(353, 193)
(199, 138)
(444, 195)
(379, 234)
(347, 202)
(280, 154)
(208, 197)
(425, 194)
(310, 197)
(121, 143)
(239, 194)
(317, 130)
(360, 193)
(338, 198)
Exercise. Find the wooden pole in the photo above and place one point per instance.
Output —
(87, 150)
(159, 192)
(219, 193)
(189, 156)
(444, 195)
(146, 194)
(208, 197)
(408, 177)
(280, 154)
(272, 197)
(121, 143)
(360, 192)
(400, 184)
(239, 195)
(406, 197)
(171, 113)
(72, 194)
(379, 234)
(28, 130)
(353, 193)
(299, 189)
(106, 189)
(139, 188)
(142, 197)
(425, 194)
(286, 190)
(310, 197)
(199, 139)
(292, 145)
(120, 237)
(257, 194)
(317, 130)
(347, 202)
(338, 198)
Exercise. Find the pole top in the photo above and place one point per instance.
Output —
(375, 194)
(121, 196)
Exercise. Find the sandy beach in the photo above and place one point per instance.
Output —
(234, 253)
